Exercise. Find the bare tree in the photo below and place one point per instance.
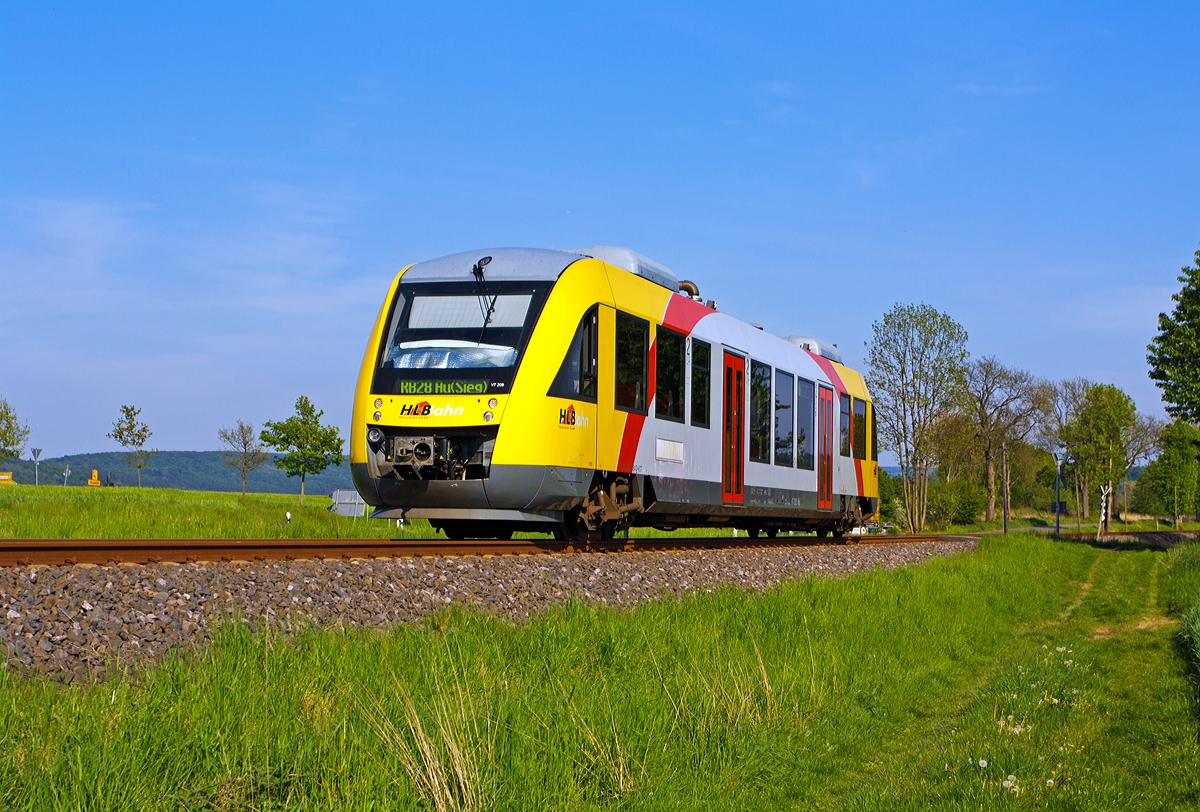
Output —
(1005, 405)
(242, 451)
(133, 435)
(917, 357)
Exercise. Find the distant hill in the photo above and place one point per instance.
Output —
(187, 470)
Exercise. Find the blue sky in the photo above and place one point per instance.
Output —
(201, 205)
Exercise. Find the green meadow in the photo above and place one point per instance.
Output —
(1031, 674)
(58, 512)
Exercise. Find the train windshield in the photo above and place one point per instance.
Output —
(451, 322)
(446, 331)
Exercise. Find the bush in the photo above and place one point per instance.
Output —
(958, 502)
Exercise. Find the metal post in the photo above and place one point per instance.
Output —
(1004, 481)
(1058, 463)
(36, 452)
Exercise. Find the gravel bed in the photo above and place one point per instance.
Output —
(72, 621)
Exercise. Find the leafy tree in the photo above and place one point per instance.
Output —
(307, 446)
(955, 447)
(242, 452)
(917, 358)
(1005, 406)
(13, 433)
(1171, 480)
(1098, 437)
(133, 436)
(891, 498)
(1174, 354)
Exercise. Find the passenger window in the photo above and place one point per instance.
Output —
(784, 420)
(669, 358)
(701, 375)
(633, 349)
(577, 376)
(805, 415)
(860, 429)
(760, 412)
(845, 425)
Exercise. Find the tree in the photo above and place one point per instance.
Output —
(1171, 478)
(1005, 406)
(1174, 354)
(954, 447)
(307, 446)
(1098, 438)
(242, 452)
(133, 436)
(917, 358)
(13, 433)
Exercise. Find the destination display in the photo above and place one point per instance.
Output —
(476, 387)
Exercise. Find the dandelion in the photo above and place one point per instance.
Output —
(1049, 782)
(1060, 649)
(982, 763)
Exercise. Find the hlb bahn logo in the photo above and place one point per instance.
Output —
(568, 417)
(425, 409)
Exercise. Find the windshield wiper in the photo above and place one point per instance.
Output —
(477, 272)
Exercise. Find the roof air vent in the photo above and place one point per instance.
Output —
(816, 345)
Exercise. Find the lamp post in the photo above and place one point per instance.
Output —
(66, 474)
(37, 453)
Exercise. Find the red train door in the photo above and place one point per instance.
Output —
(825, 448)
(733, 447)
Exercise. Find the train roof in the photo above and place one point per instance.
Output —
(538, 264)
(507, 263)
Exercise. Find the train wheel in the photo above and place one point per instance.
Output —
(455, 531)
(752, 532)
(772, 533)
(504, 534)
(822, 532)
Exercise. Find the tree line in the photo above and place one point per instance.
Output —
(305, 445)
(952, 421)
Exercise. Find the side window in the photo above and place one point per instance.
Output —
(632, 356)
(874, 435)
(760, 412)
(805, 431)
(860, 429)
(784, 420)
(669, 359)
(577, 376)
(844, 425)
(701, 376)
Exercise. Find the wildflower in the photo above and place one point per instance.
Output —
(1049, 782)
(1060, 649)
(982, 763)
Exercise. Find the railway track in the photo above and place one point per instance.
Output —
(47, 552)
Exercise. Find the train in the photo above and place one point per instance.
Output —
(580, 393)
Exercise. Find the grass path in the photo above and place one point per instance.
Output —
(1092, 711)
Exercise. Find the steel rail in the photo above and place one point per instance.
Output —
(49, 552)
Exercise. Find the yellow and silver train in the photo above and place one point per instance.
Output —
(582, 392)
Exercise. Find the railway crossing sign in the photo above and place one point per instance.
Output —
(94, 482)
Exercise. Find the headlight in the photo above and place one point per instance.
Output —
(375, 436)
(377, 416)
(487, 417)
(493, 403)
(378, 403)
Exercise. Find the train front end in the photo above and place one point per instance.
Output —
(435, 382)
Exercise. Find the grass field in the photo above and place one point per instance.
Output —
(41, 512)
(1031, 675)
